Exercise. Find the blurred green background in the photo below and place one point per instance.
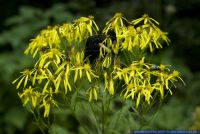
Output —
(23, 19)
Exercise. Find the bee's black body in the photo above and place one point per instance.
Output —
(92, 47)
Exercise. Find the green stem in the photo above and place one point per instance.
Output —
(98, 126)
(157, 111)
(76, 95)
(61, 40)
(82, 125)
(49, 126)
(108, 104)
(117, 118)
(126, 58)
(103, 119)
(38, 122)
(140, 116)
(141, 123)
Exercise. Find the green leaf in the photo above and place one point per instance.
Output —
(73, 100)
(16, 117)
(57, 129)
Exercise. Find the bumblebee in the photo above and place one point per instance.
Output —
(92, 47)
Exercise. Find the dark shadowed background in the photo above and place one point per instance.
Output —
(21, 20)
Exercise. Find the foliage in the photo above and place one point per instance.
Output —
(179, 18)
(196, 124)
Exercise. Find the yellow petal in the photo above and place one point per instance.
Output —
(20, 82)
(88, 76)
(90, 97)
(95, 94)
(57, 84)
(34, 78)
(45, 87)
(16, 80)
(47, 109)
(76, 75)
(138, 100)
(26, 80)
(34, 102)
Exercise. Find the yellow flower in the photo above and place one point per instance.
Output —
(48, 101)
(46, 37)
(36, 73)
(93, 93)
(109, 83)
(146, 20)
(50, 79)
(149, 35)
(111, 88)
(104, 49)
(47, 106)
(79, 61)
(129, 91)
(159, 86)
(63, 77)
(138, 89)
(122, 73)
(89, 72)
(50, 35)
(128, 38)
(79, 58)
(107, 61)
(78, 71)
(36, 97)
(29, 95)
(173, 77)
(26, 74)
(67, 32)
(115, 23)
(35, 46)
(84, 27)
(53, 55)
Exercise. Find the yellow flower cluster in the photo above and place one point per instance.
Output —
(141, 79)
(62, 63)
(142, 33)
